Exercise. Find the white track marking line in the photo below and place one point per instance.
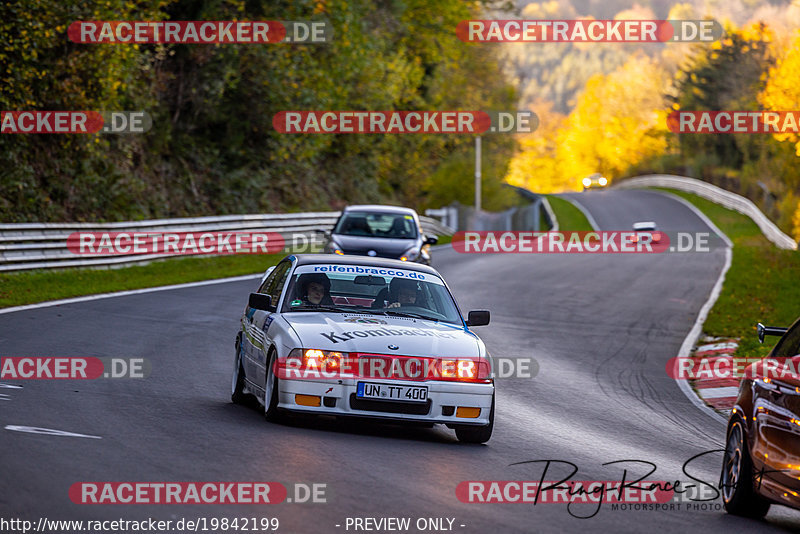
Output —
(9, 386)
(550, 213)
(583, 210)
(48, 431)
(694, 333)
(87, 298)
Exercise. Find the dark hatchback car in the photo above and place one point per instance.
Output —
(380, 231)
(761, 465)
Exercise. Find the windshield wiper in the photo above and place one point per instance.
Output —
(368, 311)
(410, 314)
(322, 307)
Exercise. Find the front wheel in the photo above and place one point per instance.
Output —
(271, 389)
(477, 434)
(738, 490)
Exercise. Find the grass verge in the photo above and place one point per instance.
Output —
(36, 286)
(761, 284)
(444, 239)
(570, 218)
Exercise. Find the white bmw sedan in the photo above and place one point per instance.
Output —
(364, 337)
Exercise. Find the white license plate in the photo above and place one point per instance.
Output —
(392, 392)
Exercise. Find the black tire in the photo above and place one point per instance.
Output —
(738, 488)
(477, 434)
(271, 398)
(238, 396)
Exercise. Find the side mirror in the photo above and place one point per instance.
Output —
(260, 301)
(431, 240)
(478, 318)
(325, 233)
(769, 331)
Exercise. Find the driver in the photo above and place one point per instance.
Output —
(314, 289)
(402, 292)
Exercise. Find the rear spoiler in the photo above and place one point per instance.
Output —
(769, 331)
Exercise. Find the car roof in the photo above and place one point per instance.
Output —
(310, 259)
(643, 225)
(381, 209)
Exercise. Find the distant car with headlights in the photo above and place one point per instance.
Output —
(761, 464)
(594, 181)
(380, 231)
(646, 227)
(353, 336)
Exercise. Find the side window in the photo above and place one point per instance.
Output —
(789, 345)
(274, 290)
(262, 288)
(275, 280)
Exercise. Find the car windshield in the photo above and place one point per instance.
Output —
(374, 290)
(366, 224)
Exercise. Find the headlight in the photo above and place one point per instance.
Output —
(587, 182)
(603, 181)
(465, 369)
(323, 360)
(410, 255)
(333, 248)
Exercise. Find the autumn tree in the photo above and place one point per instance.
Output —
(618, 122)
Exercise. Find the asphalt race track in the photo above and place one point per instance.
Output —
(600, 326)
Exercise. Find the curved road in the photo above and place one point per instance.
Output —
(600, 326)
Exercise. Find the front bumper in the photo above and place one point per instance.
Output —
(338, 397)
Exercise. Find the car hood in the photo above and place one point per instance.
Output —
(345, 332)
(381, 245)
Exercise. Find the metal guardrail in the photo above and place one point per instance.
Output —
(26, 246)
(717, 195)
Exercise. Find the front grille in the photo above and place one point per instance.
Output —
(389, 406)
